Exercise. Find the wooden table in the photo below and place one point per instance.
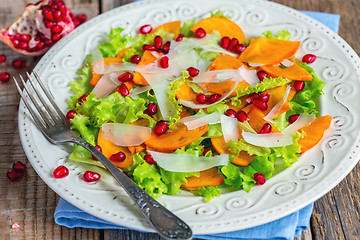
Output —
(31, 203)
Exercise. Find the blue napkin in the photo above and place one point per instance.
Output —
(285, 228)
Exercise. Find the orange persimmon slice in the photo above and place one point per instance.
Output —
(268, 51)
(294, 72)
(146, 58)
(171, 27)
(224, 26)
(95, 76)
(209, 177)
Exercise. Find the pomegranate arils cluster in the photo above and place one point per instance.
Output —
(203, 99)
(232, 45)
(39, 27)
(17, 172)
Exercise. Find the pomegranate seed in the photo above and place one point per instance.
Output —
(56, 37)
(23, 45)
(151, 109)
(56, 29)
(48, 15)
(259, 178)
(149, 159)
(100, 150)
(224, 42)
(151, 92)
(60, 172)
(148, 47)
(161, 128)
(230, 113)
(2, 58)
(293, 118)
(48, 42)
(91, 176)
(242, 116)
(19, 167)
(123, 90)
(135, 59)
(266, 128)
(260, 104)
(82, 98)
(299, 85)
(232, 43)
(158, 42)
(166, 48)
(164, 62)
(309, 58)
(4, 77)
(160, 122)
(238, 48)
(58, 16)
(145, 29)
(118, 157)
(18, 36)
(214, 98)
(16, 43)
(206, 150)
(25, 38)
(125, 77)
(49, 24)
(81, 18)
(264, 97)
(180, 38)
(200, 33)
(70, 115)
(252, 97)
(261, 75)
(40, 45)
(19, 63)
(14, 175)
(201, 98)
(193, 72)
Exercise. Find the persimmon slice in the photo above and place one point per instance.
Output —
(209, 177)
(294, 72)
(95, 76)
(171, 27)
(146, 58)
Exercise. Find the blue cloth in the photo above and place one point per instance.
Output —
(285, 228)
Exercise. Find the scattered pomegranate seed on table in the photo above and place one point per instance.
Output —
(4, 77)
(135, 59)
(19, 63)
(259, 178)
(17, 172)
(193, 72)
(206, 150)
(200, 33)
(293, 118)
(123, 90)
(180, 38)
(299, 85)
(2, 58)
(149, 159)
(309, 58)
(241, 116)
(224, 42)
(99, 149)
(145, 29)
(90, 176)
(19, 166)
(125, 77)
(262, 75)
(164, 62)
(214, 98)
(266, 128)
(15, 226)
(60, 172)
(230, 113)
(118, 157)
(260, 104)
(201, 98)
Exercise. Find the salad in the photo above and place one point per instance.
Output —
(197, 106)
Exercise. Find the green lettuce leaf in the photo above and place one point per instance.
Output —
(208, 192)
(236, 146)
(281, 35)
(187, 25)
(116, 43)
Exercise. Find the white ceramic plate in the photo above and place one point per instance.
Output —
(316, 173)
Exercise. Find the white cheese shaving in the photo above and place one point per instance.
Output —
(199, 120)
(106, 85)
(303, 120)
(287, 63)
(217, 76)
(125, 134)
(250, 76)
(230, 128)
(139, 90)
(268, 139)
(274, 111)
(187, 162)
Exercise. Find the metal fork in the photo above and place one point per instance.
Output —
(52, 123)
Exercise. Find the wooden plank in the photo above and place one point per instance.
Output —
(111, 4)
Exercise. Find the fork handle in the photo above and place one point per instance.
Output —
(167, 224)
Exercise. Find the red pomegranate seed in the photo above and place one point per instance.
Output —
(293, 118)
(193, 72)
(201, 98)
(56, 37)
(166, 48)
(23, 45)
(56, 29)
(164, 62)
(58, 16)
(49, 24)
(2, 58)
(90, 176)
(123, 90)
(14, 175)
(4, 77)
(259, 178)
(262, 74)
(232, 43)
(148, 47)
(299, 85)
(161, 128)
(125, 77)
(160, 122)
(158, 42)
(19, 63)
(151, 92)
(206, 150)
(19, 166)
(145, 29)
(260, 104)
(118, 157)
(230, 113)
(16, 43)
(81, 18)
(151, 109)
(25, 38)
(224, 42)
(264, 97)
(238, 48)
(266, 128)
(135, 59)
(180, 38)
(214, 98)
(309, 58)
(252, 97)
(82, 98)
(70, 115)
(149, 159)
(40, 45)
(100, 150)
(60, 172)
(18, 36)
(48, 15)
(200, 33)
(242, 116)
